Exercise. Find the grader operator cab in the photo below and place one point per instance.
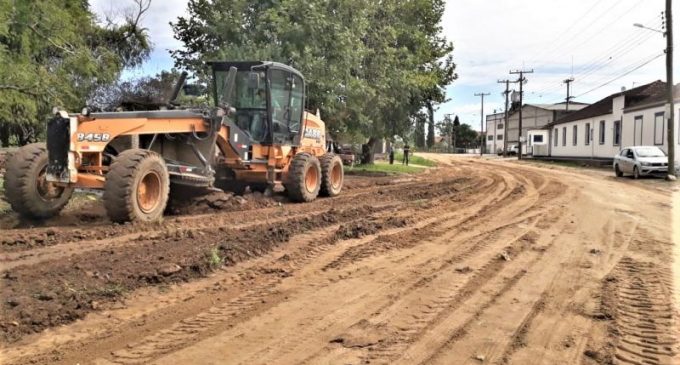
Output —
(257, 134)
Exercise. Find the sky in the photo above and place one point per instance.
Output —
(593, 41)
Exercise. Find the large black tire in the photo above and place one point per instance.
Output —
(636, 173)
(303, 180)
(137, 187)
(26, 189)
(332, 174)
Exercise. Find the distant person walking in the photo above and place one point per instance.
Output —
(407, 150)
(390, 151)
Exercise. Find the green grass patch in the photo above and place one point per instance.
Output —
(415, 160)
(386, 168)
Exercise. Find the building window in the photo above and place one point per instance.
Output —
(617, 133)
(575, 136)
(587, 134)
(500, 126)
(658, 128)
(603, 124)
(499, 137)
(637, 130)
(564, 136)
(489, 138)
(538, 138)
(557, 137)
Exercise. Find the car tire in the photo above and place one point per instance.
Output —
(636, 173)
(618, 171)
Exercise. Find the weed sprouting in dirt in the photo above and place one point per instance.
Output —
(214, 259)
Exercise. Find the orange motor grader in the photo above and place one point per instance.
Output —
(257, 135)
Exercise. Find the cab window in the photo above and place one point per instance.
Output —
(287, 92)
(296, 103)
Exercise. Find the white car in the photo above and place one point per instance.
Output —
(641, 161)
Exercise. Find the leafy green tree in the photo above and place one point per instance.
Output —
(369, 64)
(55, 53)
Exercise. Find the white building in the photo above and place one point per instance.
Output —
(495, 128)
(534, 117)
(628, 118)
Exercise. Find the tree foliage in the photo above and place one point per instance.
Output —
(55, 53)
(370, 65)
(147, 93)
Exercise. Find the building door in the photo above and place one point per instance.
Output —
(637, 132)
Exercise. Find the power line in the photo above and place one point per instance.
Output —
(557, 45)
(607, 25)
(567, 44)
(621, 48)
(623, 75)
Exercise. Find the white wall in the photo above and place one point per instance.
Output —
(493, 122)
(609, 148)
(648, 118)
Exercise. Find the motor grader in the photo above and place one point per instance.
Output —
(257, 135)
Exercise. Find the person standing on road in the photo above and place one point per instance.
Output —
(407, 150)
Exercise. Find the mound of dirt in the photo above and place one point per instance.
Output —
(358, 229)
(61, 291)
(210, 201)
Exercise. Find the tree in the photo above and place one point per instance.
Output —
(456, 127)
(55, 53)
(369, 64)
(420, 120)
(147, 93)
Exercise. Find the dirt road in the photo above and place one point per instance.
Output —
(476, 262)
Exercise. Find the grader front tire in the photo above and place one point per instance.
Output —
(26, 187)
(304, 178)
(137, 187)
(332, 175)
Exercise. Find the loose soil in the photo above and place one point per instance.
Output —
(477, 261)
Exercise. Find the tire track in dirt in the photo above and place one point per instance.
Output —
(389, 350)
(406, 198)
(422, 282)
(637, 299)
(187, 330)
(283, 345)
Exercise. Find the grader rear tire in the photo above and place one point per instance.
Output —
(304, 178)
(26, 187)
(332, 175)
(137, 187)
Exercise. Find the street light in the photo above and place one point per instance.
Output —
(648, 28)
(668, 34)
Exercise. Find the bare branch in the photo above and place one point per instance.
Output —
(142, 7)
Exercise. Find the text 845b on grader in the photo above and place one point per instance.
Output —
(258, 135)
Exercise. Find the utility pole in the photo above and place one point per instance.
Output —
(521, 81)
(505, 127)
(481, 117)
(569, 97)
(670, 86)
